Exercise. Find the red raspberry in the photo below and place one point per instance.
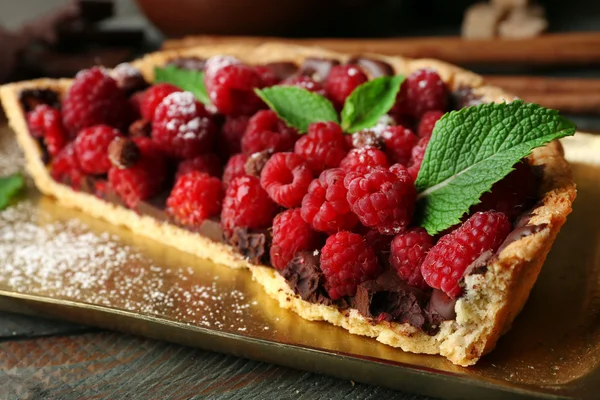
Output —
(45, 121)
(399, 142)
(247, 205)
(323, 147)
(93, 99)
(207, 163)
(363, 159)
(236, 166)
(231, 88)
(195, 197)
(342, 80)
(422, 91)
(407, 252)
(286, 177)
(144, 179)
(266, 131)
(347, 261)
(65, 167)
(91, 147)
(383, 199)
(267, 76)
(153, 96)
(416, 158)
(380, 243)
(291, 235)
(305, 82)
(447, 261)
(182, 128)
(325, 206)
(230, 140)
(427, 122)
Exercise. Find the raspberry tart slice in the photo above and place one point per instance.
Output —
(347, 213)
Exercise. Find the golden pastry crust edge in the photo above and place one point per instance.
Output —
(491, 300)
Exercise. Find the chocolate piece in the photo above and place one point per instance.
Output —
(128, 78)
(140, 128)
(374, 68)
(367, 139)
(123, 153)
(30, 98)
(256, 162)
(191, 63)
(282, 70)
(520, 233)
(304, 276)
(317, 68)
(441, 304)
(252, 245)
(464, 97)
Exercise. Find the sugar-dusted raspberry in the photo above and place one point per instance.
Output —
(342, 81)
(144, 179)
(265, 131)
(182, 128)
(363, 159)
(93, 99)
(207, 163)
(91, 147)
(427, 122)
(323, 147)
(291, 234)
(305, 82)
(267, 76)
(247, 205)
(286, 177)
(153, 96)
(513, 194)
(232, 131)
(195, 197)
(407, 252)
(399, 142)
(416, 157)
(325, 206)
(473, 242)
(347, 261)
(236, 166)
(422, 91)
(382, 198)
(65, 167)
(46, 122)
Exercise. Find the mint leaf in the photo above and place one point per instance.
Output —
(472, 149)
(298, 107)
(369, 101)
(189, 80)
(9, 188)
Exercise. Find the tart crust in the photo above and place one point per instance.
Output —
(490, 301)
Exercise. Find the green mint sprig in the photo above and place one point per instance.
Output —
(10, 186)
(475, 147)
(189, 80)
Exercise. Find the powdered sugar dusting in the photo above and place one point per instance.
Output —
(379, 130)
(125, 69)
(181, 103)
(215, 63)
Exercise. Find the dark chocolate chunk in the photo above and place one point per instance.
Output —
(441, 305)
(252, 245)
(282, 70)
(367, 139)
(256, 162)
(123, 153)
(317, 68)
(44, 150)
(191, 63)
(519, 233)
(129, 78)
(464, 97)
(140, 128)
(30, 98)
(304, 276)
(374, 68)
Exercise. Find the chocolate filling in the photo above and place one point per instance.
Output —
(464, 97)
(282, 70)
(30, 98)
(374, 68)
(317, 68)
(304, 276)
(522, 229)
(256, 162)
(191, 63)
(252, 245)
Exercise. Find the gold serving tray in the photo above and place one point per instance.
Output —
(60, 263)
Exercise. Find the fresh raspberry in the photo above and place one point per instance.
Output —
(144, 179)
(236, 166)
(407, 252)
(247, 205)
(323, 147)
(265, 131)
(267, 76)
(474, 241)
(91, 147)
(230, 140)
(231, 87)
(399, 142)
(305, 82)
(65, 167)
(195, 197)
(325, 206)
(342, 81)
(182, 128)
(427, 122)
(422, 91)
(382, 198)
(291, 235)
(153, 96)
(380, 243)
(93, 99)
(286, 177)
(347, 261)
(46, 122)
(207, 163)
(513, 194)
(363, 159)
(416, 157)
